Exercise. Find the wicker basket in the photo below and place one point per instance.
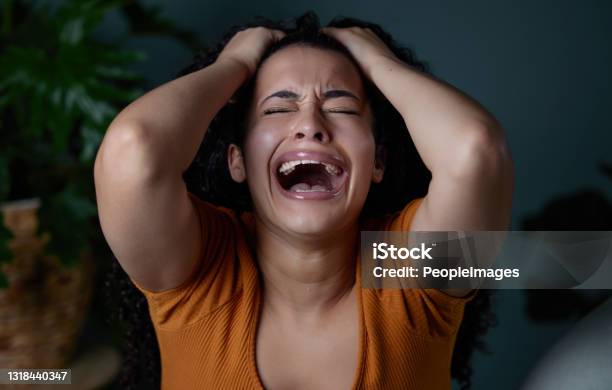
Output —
(43, 309)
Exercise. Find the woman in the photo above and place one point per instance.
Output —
(271, 297)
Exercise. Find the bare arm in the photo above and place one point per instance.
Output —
(460, 142)
(145, 212)
(463, 145)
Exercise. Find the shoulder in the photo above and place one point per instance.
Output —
(398, 221)
(224, 269)
(430, 313)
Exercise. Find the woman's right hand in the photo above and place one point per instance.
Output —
(247, 46)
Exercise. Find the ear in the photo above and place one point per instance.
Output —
(235, 162)
(379, 164)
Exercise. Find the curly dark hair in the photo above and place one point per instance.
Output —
(208, 177)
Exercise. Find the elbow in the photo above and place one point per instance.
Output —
(127, 152)
(484, 154)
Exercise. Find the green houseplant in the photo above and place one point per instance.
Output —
(60, 87)
(59, 90)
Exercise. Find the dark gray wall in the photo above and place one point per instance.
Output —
(543, 69)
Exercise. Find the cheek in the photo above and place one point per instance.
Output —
(362, 148)
(259, 145)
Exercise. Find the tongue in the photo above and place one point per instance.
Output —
(305, 187)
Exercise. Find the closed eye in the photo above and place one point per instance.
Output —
(332, 111)
(276, 110)
(342, 111)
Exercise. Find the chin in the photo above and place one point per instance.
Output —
(313, 223)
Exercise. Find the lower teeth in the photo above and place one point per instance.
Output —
(304, 187)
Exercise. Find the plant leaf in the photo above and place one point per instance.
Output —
(91, 139)
(66, 216)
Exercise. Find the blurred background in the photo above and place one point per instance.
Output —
(67, 67)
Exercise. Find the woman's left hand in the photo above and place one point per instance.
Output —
(365, 46)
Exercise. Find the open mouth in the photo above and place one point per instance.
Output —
(310, 175)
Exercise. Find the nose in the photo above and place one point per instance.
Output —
(311, 126)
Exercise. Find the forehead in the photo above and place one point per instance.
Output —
(297, 67)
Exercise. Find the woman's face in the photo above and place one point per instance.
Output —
(309, 152)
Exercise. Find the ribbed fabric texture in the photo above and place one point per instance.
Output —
(206, 327)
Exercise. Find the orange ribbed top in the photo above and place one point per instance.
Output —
(207, 326)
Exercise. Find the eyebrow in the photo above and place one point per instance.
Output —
(334, 93)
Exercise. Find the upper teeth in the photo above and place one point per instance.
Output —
(289, 166)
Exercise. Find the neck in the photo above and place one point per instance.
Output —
(308, 276)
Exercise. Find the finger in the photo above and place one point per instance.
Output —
(370, 31)
(278, 34)
(337, 34)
